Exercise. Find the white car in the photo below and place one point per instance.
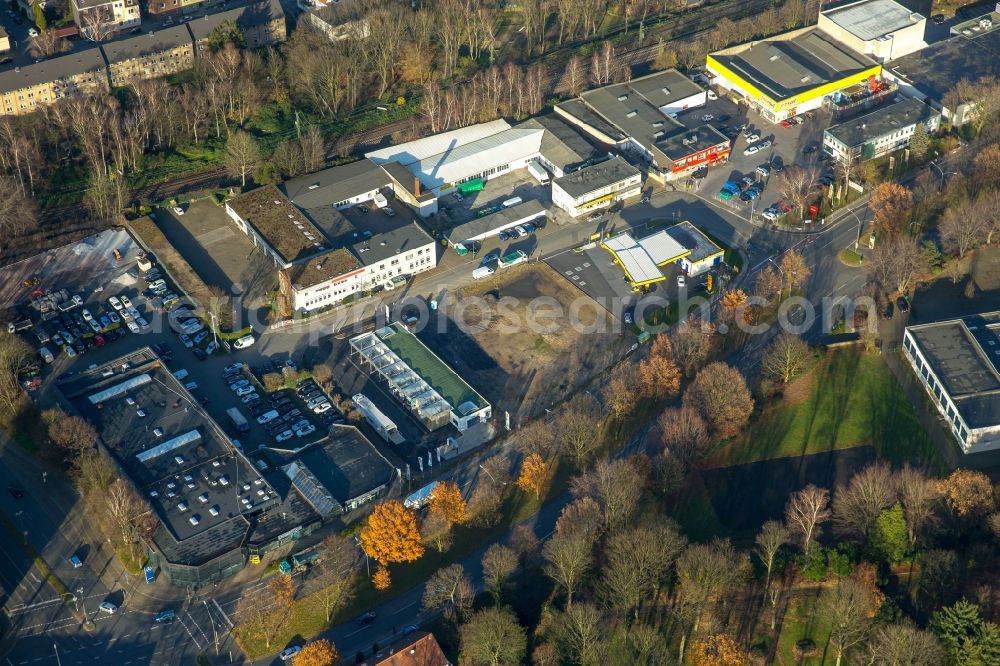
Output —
(77, 299)
(108, 607)
(132, 312)
(94, 326)
(86, 315)
(212, 346)
(32, 32)
(232, 367)
(201, 336)
(239, 384)
(308, 430)
(769, 215)
(249, 397)
(70, 352)
(290, 652)
(753, 138)
(751, 150)
(244, 342)
(321, 407)
(125, 301)
(142, 323)
(707, 118)
(132, 326)
(244, 390)
(681, 280)
(712, 95)
(283, 435)
(115, 303)
(186, 340)
(178, 210)
(763, 145)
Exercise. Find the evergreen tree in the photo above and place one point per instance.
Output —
(889, 538)
(969, 639)
(919, 142)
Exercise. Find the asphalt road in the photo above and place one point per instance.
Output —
(55, 525)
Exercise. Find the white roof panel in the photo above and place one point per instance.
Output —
(414, 151)
(472, 158)
(634, 258)
(662, 248)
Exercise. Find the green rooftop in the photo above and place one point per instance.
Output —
(432, 369)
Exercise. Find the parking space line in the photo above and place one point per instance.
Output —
(183, 624)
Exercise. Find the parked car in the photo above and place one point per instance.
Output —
(751, 150)
(308, 430)
(184, 337)
(115, 303)
(239, 384)
(249, 398)
(290, 652)
(232, 367)
(321, 407)
(902, 304)
(108, 607)
(284, 435)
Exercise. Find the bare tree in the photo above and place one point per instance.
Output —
(857, 505)
(579, 633)
(579, 427)
(794, 269)
(493, 637)
(14, 356)
(582, 517)
(706, 572)
(260, 615)
(891, 205)
(918, 496)
(806, 511)
(847, 608)
(568, 559)
(785, 358)
(618, 393)
(772, 536)
(436, 531)
(684, 433)
(18, 211)
(48, 43)
(499, 562)
(616, 486)
(637, 563)
(720, 393)
(70, 433)
(128, 512)
(692, 342)
(895, 263)
(450, 591)
(242, 156)
(902, 643)
(964, 225)
(337, 568)
(538, 437)
(574, 77)
(796, 183)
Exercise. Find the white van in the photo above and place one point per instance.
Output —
(267, 417)
(510, 203)
(483, 272)
(244, 342)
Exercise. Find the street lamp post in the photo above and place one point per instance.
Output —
(943, 173)
(215, 326)
(55, 648)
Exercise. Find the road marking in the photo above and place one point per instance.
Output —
(413, 603)
(228, 621)
(196, 643)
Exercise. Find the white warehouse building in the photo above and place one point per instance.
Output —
(880, 29)
(443, 161)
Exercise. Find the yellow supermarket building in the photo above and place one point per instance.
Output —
(790, 74)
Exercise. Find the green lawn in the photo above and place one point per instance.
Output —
(801, 621)
(848, 399)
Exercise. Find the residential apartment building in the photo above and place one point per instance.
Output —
(24, 89)
(262, 24)
(101, 19)
(596, 187)
(131, 57)
(166, 7)
(146, 56)
(880, 132)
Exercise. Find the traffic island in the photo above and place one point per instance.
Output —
(851, 258)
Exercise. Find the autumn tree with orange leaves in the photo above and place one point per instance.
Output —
(392, 534)
(718, 650)
(659, 376)
(891, 204)
(317, 653)
(968, 493)
(382, 580)
(534, 475)
(447, 500)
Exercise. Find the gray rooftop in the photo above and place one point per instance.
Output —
(871, 19)
(631, 113)
(783, 68)
(894, 117)
(53, 69)
(336, 184)
(964, 354)
(683, 142)
(936, 69)
(502, 218)
(579, 111)
(665, 88)
(693, 239)
(389, 243)
(248, 15)
(579, 183)
(346, 464)
(176, 456)
(137, 46)
(561, 144)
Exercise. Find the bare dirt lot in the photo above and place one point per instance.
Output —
(525, 339)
